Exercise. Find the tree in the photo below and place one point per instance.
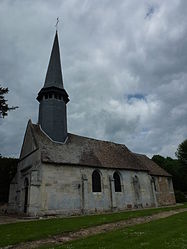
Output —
(181, 152)
(8, 168)
(4, 108)
(173, 167)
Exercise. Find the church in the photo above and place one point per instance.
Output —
(68, 174)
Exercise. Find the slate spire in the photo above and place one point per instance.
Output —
(54, 72)
(53, 99)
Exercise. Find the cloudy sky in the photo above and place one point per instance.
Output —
(124, 67)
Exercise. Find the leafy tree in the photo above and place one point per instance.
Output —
(8, 168)
(173, 167)
(181, 152)
(4, 108)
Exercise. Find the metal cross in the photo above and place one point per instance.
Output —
(57, 21)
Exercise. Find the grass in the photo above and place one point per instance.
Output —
(33, 230)
(168, 233)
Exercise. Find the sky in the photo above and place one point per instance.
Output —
(124, 66)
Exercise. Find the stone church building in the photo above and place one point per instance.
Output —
(63, 173)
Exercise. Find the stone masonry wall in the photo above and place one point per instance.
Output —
(165, 194)
(68, 190)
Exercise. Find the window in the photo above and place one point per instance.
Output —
(50, 95)
(117, 182)
(26, 182)
(155, 184)
(170, 184)
(46, 96)
(96, 181)
(26, 185)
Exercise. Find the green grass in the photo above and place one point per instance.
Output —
(27, 231)
(168, 233)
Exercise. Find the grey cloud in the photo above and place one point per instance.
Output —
(109, 51)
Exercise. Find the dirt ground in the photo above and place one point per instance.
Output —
(60, 239)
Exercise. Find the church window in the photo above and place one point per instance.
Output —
(117, 182)
(155, 184)
(96, 181)
(170, 184)
(26, 189)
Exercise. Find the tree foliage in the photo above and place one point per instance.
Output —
(181, 152)
(176, 167)
(173, 167)
(4, 107)
(8, 168)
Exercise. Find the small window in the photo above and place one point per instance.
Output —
(50, 95)
(56, 96)
(26, 182)
(117, 182)
(170, 184)
(46, 96)
(96, 181)
(155, 184)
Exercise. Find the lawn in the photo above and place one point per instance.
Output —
(168, 233)
(27, 231)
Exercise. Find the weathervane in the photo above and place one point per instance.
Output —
(56, 25)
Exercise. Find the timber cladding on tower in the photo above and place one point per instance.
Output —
(63, 173)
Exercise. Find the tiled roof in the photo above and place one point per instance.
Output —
(85, 151)
(154, 169)
(79, 150)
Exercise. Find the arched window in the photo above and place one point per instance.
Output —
(117, 182)
(96, 181)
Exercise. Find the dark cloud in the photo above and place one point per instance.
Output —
(125, 74)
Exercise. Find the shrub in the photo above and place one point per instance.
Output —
(180, 197)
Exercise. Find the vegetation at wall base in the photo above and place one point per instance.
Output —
(180, 197)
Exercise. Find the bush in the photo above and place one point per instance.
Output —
(8, 168)
(180, 197)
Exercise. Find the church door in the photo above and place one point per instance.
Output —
(26, 183)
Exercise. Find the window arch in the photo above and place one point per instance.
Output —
(117, 182)
(96, 181)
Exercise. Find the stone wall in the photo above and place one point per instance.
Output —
(28, 168)
(68, 190)
(164, 191)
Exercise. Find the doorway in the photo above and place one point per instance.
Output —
(26, 184)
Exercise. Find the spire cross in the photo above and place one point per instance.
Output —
(56, 25)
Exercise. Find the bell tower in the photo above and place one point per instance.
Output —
(53, 99)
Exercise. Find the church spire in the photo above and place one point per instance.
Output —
(54, 72)
(53, 99)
